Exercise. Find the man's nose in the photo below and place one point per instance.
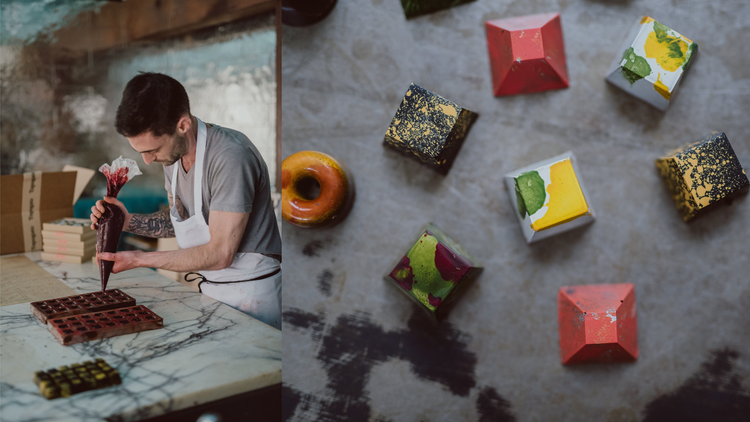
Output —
(147, 158)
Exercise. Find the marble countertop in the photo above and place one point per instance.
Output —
(206, 351)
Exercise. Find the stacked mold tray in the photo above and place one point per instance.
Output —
(94, 316)
(82, 304)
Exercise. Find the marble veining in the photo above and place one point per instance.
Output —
(206, 351)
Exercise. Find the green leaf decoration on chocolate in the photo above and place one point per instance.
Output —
(689, 55)
(631, 77)
(530, 185)
(635, 67)
(426, 275)
(519, 202)
(672, 43)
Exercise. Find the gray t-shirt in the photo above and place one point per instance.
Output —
(235, 179)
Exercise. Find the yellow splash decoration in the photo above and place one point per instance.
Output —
(667, 50)
(566, 197)
(662, 89)
(646, 19)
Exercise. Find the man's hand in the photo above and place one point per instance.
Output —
(98, 209)
(124, 261)
(226, 229)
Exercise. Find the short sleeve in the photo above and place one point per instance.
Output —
(234, 176)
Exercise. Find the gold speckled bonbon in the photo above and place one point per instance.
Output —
(702, 173)
(429, 128)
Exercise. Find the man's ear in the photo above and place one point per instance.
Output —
(184, 124)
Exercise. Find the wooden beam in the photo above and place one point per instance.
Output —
(119, 24)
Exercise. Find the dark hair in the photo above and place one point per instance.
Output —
(151, 102)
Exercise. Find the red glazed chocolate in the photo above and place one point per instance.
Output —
(527, 54)
(598, 323)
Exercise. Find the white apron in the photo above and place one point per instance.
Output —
(252, 284)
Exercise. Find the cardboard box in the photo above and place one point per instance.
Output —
(67, 250)
(48, 236)
(30, 199)
(84, 244)
(65, 258)
(69, 225)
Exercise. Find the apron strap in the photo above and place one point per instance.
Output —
(200, 150)
(203, 279)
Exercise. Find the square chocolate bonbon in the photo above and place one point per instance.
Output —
(703, 173)
(527, 54)
(434, 272)
(78, 378)
(597, 323)
(651, 61)
(429, 128)
(80, 304)
(549, 197)
(100, 325)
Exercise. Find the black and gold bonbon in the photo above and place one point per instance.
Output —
(429, 128)
(702, 173)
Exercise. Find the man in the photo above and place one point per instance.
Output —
(219, 196)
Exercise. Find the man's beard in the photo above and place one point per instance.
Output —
(180, 147)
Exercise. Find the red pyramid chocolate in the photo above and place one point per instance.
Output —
(527, 54)
(598, 323)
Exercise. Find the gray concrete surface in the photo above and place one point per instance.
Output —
(356, 349)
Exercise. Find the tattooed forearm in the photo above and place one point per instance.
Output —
(157, 224)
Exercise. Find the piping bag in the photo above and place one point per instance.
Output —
(109, 227)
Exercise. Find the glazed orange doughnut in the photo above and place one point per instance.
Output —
(336, 189)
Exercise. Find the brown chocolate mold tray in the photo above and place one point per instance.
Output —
(46, 310)
(104, 324)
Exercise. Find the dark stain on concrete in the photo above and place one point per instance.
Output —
(313, 248)
(307, 321)
(351, 347)
(290, 399)
(492, 407)
(438, 352)
(324, 282)
(715, 393)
